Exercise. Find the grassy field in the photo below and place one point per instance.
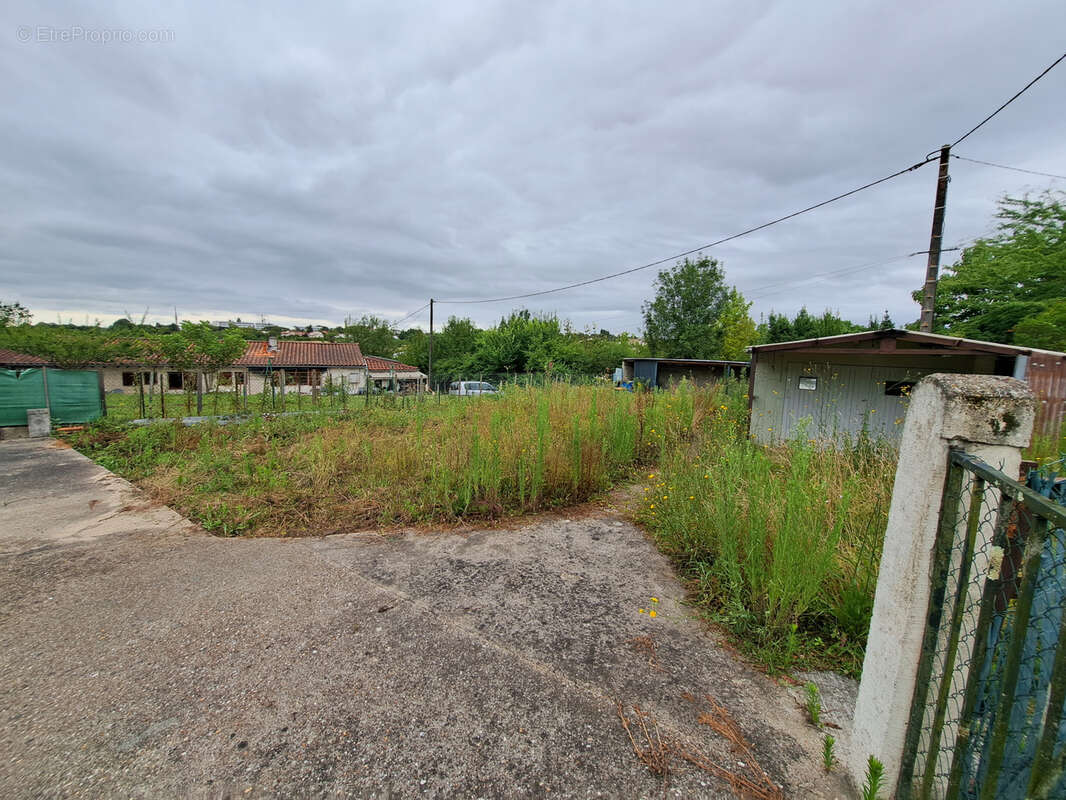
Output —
(394, 462)
(124, 407)
(780, 545)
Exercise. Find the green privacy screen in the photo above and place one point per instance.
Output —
(73, 395)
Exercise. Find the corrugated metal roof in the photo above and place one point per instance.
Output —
(932, 339)
(10, 357)
(302, 354)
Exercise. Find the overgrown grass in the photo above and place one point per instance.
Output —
(124, 407)
(1045, 449)
(780, 545)
(487, 457)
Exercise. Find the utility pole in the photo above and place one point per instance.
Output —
(431, 344)
(935, 240)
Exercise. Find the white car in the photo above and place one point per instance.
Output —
(470, 387)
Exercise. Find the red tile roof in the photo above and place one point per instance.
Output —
(376, 364)
(10, 357)
(303, 354)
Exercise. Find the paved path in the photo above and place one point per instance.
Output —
(141, 657)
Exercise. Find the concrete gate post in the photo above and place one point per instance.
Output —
(990, 417)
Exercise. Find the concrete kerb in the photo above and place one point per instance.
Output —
(990, 417)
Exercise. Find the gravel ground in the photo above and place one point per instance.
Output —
(141, 657)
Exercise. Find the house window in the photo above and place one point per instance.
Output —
(130, 378)
(174, 380)
(808, 384)
(898, 388)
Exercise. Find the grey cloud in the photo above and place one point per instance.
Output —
(312, 162)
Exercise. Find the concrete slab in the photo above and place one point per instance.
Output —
(153, 660)
(51, 494)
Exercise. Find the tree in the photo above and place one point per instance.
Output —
(13, 314)
(1012, 280)
(737, 327)
(1046, 330)
(683, 319)
(779, 328)
(373, 334)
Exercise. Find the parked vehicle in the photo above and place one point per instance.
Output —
(470, 388)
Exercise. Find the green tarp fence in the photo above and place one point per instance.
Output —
(73, 395)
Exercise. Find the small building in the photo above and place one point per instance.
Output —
(666, 372)
(305, 366)
(844, 386)
(391, 375)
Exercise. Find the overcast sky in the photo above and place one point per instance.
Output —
(305, 164)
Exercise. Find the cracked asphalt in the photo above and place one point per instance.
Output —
(142, 657)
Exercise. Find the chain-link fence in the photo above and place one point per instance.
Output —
(987, 719)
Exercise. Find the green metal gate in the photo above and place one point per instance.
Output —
(987, 719)
(72, 395)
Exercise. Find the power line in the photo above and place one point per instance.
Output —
(1018, 94)
(772, 288)
(715, 243)
(765, 225)
(1004, 166)
(413, 313)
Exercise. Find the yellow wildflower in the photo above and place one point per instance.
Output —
(652, 613)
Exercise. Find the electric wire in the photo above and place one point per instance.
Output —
(1016, 95)
(715, 243)
(1004, 166)
(930, 157)
(404, 319)
(773, 288)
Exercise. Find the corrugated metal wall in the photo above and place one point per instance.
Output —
(1047, 378)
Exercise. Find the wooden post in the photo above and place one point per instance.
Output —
(281, 389)
(935, 239)
(140, 389)
(163, 395)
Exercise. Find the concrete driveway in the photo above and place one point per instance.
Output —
(141, 657)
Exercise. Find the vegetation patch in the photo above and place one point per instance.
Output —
(780, 545)
(429, 462)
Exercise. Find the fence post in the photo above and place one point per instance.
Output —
(990, 417)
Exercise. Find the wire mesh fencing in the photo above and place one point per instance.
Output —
(987, 718)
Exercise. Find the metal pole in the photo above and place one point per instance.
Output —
(430, 374)
(44, 382)
(935, 241)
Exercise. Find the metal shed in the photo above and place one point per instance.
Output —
(844, 385)
(665, 372)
